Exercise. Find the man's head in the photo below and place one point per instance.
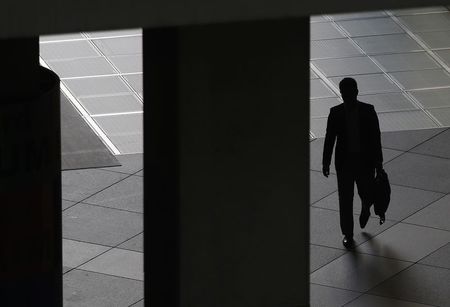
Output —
(349, 89)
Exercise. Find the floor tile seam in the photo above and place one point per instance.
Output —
(88, 242)
(416, 188)
(321, 245)
(107, 187)
(141, 300)
(372, 217)
(428, 155)
(112, 275)
(76, 202)
(334, 287)
(389, 297)
(109, 249)
(425, 226)
(431, 265)
(413, 264)
(334, 191)
(417, 145)
(106, 207)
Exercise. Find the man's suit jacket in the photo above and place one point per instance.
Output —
(369, 133)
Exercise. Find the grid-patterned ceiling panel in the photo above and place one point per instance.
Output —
(318, 89)
(419, 10)
(374, 26)
(442, 115)
(121, 124)
(408, 120)
(347, 66)
(81, 67)
(406, 61)
(321, 107)
(115, 33)
(59, 37)
(444, 55)
(111, 104)
(120, 46)
(135, 82)
(318, 126)
(438, 39)
(362, 15)
(422, 79)
(394, 43)
(433, 98)
(324, 30)
(67, 50)
(389, 102)
(335, 48)
(371, 84)
(98, 86)
(127, 63)
(427, 22)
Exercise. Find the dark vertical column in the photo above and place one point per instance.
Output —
(226, 135)
(30, 178)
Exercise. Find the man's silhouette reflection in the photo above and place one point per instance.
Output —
(358, 154)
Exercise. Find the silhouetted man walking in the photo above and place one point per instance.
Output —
(358, 154)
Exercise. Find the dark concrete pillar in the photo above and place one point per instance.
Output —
(226, 161)
(30, 179)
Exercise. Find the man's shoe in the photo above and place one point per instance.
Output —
(348, 241)
(364, 217)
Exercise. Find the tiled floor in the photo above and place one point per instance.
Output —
(103, 235)
(404, 262)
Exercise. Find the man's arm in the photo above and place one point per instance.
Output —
(330, 138)
(378, 154)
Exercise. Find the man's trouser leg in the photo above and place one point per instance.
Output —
(364, 181)
(345, 178)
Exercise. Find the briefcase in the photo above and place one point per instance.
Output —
(382, 194)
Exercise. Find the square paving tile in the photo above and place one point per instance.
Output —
(420, 171)
(368, 300)
(324, 30)
(321, 255)
(347, 66)
(89, 289)
(321, 107)
(442, 115)
(319, 89)
(372, 26)
(406, 242)
(418, 283)
(440, 258)
(388, 102)
(406, 61)
(404, 202)
(427, 22)
(135, 244)
(76, 253)
(333, 48)
(405, 140)
(437, 39)
(320, 186)
(405, 120)
(325, 229)
(127, 194)
(359, 15)
(371, 84)
(118, 262)
(79, 184)
(323, 296)
(67, 203)
(435, 215)
(422, 79)
(393, 43)
(433, 98)
(100, 225)
(439, 146)
(357, 272)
